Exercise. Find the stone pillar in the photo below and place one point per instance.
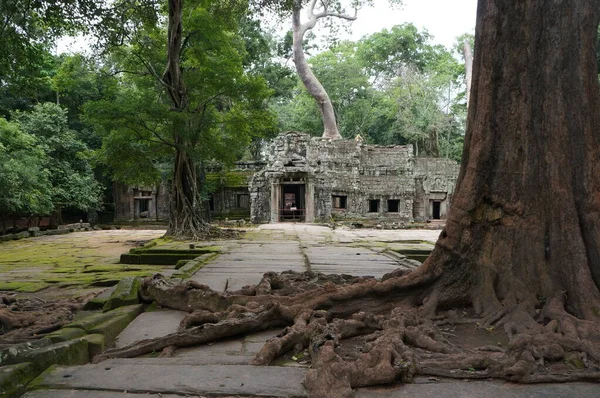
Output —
(275, 199)
(310, 201)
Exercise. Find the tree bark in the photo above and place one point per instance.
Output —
(310, 81)
(525, 220)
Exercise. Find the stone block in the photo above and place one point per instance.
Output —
(71, 352)
(15, 378)
(96, 344)
(111, 328)
(19, 350)
(91, 322)
(7, 237)
(126, 293)
(22, 235)
(95, 304)
(65, 334)
(57, 232)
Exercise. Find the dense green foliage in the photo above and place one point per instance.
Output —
(70, 119)
(24, 182)
(225, 91)
(72, 180)
(392, 87)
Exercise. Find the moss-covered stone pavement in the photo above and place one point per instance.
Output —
(62, 265)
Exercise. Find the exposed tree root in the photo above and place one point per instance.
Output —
(22, 320)
(393, 341)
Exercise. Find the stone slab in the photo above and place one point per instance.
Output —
(181, 379)
(97, 394)
(200, 359)
(70, 352)
(149, 325)
(478, 389)
(226, 347)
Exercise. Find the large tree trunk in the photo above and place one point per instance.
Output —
(525, 219)
(521, 245)
(310, 81)
(186, 218)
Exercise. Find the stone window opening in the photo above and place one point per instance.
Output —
(211, 203)
(374, 206)
(339, 201)
(393, 205)
(242, 201)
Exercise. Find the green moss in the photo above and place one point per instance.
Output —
(24, 287)
(70, 352)
(126, 293)
(95, 304)
(191, 267)
(230, 179)
(65, 334)
(96, 344)
(15, 378)
(575, 362)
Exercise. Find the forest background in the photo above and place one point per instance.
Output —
(72, 124)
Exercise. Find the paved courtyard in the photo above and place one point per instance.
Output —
(221, 368)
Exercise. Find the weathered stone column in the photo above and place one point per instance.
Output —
(275, 199)
(310, 201)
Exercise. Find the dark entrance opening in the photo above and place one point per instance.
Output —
(293, 206)
(374, 206)
(142, 208)
(437, 210)
(393, 206)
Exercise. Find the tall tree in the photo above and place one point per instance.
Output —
(203, 105)
(521, 248)
(312, 84)
(67, 162)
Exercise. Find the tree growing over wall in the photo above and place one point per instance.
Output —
(521, 249)
(317, 10)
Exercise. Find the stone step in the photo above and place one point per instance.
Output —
(245, 380)
(98, 394)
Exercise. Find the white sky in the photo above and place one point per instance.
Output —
(444, 19)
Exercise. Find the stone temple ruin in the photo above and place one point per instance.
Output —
(309, 179)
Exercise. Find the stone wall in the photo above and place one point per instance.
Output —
(436, 180)
(339, 179)
(365, 181)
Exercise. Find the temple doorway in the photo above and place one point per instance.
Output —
(293, 202)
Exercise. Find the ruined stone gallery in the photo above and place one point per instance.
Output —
(310, 179)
